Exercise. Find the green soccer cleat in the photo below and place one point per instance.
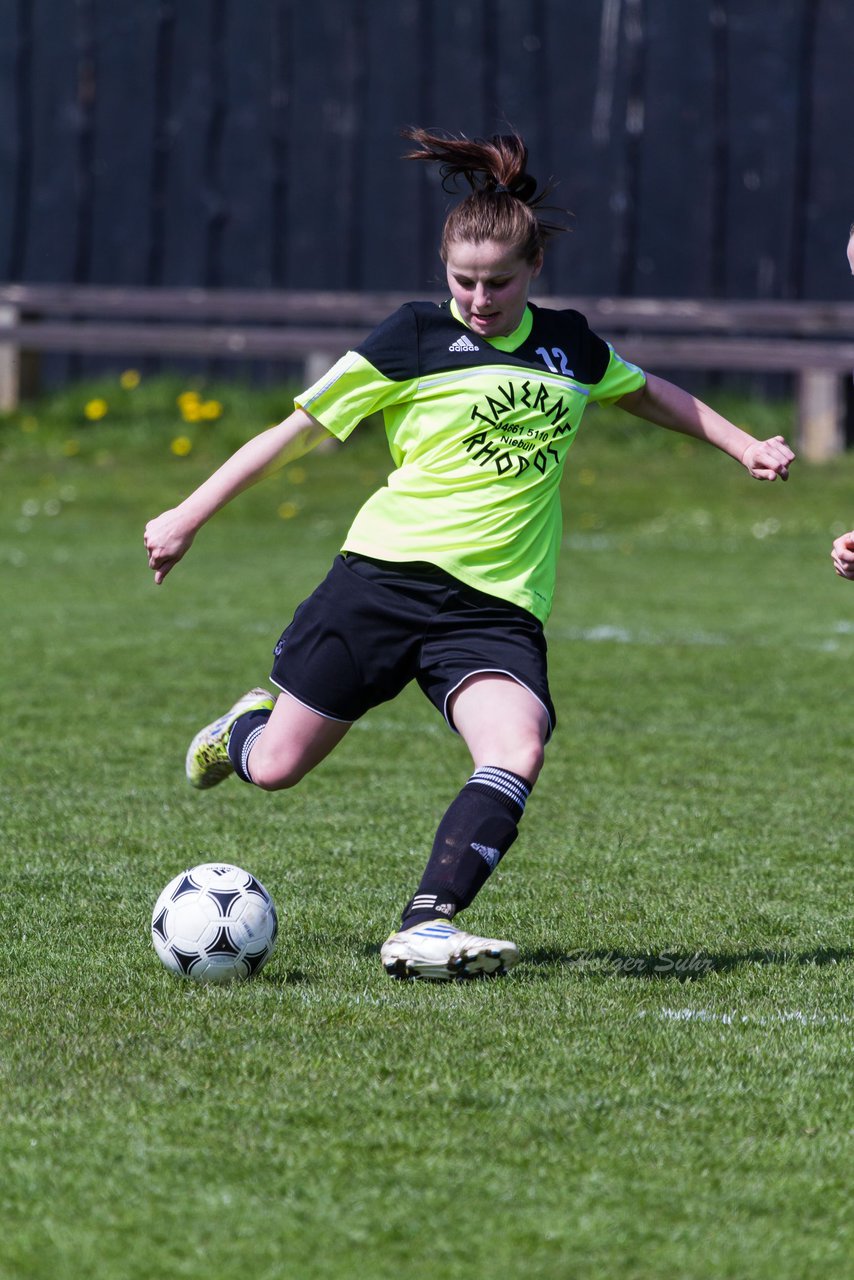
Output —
(440, 952)
(207, 760)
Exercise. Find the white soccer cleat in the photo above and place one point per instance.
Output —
(207, 760)
(440, 952)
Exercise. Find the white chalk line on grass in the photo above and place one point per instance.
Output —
(838, 640)
(746, 1019)
(785, 1017)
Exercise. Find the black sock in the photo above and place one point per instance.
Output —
(243, 736)
(477, 830)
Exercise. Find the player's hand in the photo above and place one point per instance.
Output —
(768, 459)
(166, 539)
(842, 555)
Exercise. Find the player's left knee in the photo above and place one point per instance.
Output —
(533, 758)
(524, 756)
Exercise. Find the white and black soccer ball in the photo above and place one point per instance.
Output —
(214, 923)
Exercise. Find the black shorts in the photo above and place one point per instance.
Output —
(372, 626)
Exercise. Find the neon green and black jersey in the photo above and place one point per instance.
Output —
(479, 431)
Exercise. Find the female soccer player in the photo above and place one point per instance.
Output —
(447, 573)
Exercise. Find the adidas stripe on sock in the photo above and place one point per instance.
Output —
(509, 787)
(245, 732)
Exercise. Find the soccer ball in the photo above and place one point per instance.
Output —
(214, 922)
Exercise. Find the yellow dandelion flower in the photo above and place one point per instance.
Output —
(95, 409)
(210, 409)
(181, 446)
(191, 411)
(287, 510)
(129, 379)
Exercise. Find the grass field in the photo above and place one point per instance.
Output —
(663, 1086)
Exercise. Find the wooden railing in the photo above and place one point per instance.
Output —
(811, 341)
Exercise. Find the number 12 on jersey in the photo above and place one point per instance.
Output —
(559, 355)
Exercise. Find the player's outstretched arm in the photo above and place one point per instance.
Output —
(842, 555)
(170, 535)
(667, 405)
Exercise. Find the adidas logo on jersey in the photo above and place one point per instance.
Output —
(463, 344)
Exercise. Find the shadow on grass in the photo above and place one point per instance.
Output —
(678, 965)
(292, 978)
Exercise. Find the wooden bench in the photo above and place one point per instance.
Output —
(813, 342)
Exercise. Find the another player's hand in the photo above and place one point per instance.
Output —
(166, 540)
(842, 555)
(768, 459)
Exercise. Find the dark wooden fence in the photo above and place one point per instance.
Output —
(702, 145)
(810, 342)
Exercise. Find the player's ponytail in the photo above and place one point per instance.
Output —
(505, 198)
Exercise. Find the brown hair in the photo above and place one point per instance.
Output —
(504, 197)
